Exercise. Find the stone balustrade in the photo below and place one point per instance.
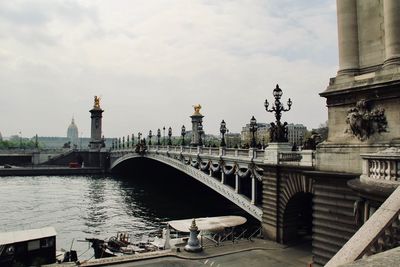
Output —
(382, 168)
(297, 158)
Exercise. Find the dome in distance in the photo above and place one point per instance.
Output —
(72, 133)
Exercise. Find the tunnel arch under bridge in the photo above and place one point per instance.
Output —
(226, 191)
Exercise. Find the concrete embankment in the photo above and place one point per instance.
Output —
(51, 170)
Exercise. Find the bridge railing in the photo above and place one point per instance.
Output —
(382, 167)
(297, 158)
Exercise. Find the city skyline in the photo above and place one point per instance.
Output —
(151, 61)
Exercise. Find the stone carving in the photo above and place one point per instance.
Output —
(364, 121)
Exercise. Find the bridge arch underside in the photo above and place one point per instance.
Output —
(296, 208)
(228, 185)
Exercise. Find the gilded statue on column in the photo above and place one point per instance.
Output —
(96, 101)
(197, 109)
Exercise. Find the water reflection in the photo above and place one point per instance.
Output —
(88, 206)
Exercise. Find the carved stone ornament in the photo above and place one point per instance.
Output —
(364, 121)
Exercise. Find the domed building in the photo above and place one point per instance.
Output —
(72, 134)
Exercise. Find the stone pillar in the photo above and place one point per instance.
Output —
(348, 37)
(253, 190)
(391, 10)
(96, 142)
(197, 119)
(222, 177)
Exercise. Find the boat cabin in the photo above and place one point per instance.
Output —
(28, 247)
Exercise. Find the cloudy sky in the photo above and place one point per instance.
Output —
(151, 60)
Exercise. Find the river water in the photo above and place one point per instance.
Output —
(99, 206)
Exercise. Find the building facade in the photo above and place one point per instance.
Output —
(296, 133)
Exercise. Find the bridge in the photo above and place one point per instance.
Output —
(226, 170)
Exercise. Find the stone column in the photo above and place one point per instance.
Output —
(237, 184)
(197, 119)
(96, 141)
(391, 10)
(253, 190)
(348, 36)
(222, 177)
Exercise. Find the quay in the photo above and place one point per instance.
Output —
(257, 252)
(49, 170)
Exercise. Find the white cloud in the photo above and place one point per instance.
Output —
(152, 60)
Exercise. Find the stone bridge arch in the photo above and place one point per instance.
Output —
(295, 207)
(196, 173)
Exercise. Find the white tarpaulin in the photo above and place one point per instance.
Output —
(211, 224)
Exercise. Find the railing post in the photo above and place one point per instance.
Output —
(222, 151)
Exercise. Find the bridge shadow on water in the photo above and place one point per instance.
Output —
(170, 194)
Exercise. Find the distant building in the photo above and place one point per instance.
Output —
(262, 135)
(296, 133)
(72, 134)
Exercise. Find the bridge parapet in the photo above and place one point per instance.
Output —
(251, 155)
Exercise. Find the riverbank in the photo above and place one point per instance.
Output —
(257, 252)
(49, 170)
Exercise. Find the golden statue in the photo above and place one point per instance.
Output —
(197, 109)
(96, 102)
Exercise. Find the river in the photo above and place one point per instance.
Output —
(94, 206)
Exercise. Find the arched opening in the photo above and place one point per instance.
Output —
(297, 219)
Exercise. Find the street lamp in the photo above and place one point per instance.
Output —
(253, 129)
(169, 136)
(222, 130)
(150, 136)
(278, 131)
(163, 136)
(158, 136)
(133, 140)
(139, 136)
(183, 133)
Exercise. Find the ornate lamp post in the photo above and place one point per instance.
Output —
(139, 136)
(150, 136)
(222, 130)
(253, 129)
(127, 141)
(169, 136)
(163, 136)
(200, 130)
(183, 133)
(123, 141)
(158, 137)
(133, 140)
(278, 131)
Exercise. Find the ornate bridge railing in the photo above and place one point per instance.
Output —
(296, 158)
